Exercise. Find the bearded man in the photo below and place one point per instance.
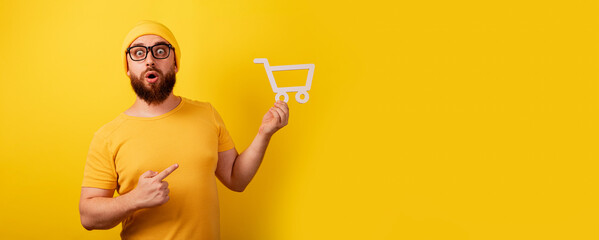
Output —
(163, 135)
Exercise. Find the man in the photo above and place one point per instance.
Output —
(165, 136)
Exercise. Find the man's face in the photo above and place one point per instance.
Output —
(152, 79)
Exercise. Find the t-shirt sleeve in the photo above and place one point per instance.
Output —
(225, 142)
(100, 171)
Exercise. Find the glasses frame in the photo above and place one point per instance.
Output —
(150, 49)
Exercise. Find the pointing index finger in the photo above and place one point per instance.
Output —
(162, 175)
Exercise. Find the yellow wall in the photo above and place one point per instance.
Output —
(426, 120)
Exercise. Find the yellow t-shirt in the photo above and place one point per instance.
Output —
(191, 135)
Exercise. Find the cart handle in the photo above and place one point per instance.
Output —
(261, 60)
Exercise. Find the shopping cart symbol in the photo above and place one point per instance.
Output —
(303, 90)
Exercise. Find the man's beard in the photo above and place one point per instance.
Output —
(158, 91)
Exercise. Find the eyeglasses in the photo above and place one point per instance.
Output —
(159, 51)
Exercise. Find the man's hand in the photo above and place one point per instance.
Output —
(151, 191)
(275, 119)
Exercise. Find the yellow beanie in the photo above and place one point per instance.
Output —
(151, 28)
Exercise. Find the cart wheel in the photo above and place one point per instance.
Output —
(284, 94)
(299, 99)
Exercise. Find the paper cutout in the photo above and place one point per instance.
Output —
(284, 90)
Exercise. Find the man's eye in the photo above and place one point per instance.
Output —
(160, 51)
(139, 53)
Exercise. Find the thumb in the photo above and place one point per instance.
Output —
(148, 174)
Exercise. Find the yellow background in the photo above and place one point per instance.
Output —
(426, 119)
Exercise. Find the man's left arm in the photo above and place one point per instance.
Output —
(237, 170)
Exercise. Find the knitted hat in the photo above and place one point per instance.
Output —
(151, 28)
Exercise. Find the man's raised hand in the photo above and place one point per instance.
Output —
(275, 119)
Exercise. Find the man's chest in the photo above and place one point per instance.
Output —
(194, 146)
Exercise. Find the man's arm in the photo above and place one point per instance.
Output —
(236, 171)
(99, 210)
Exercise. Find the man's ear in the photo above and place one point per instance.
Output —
(176, 63)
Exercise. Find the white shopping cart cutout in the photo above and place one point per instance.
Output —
(284, 90)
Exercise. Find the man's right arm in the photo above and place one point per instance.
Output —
(99, 210)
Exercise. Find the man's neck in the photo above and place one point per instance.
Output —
(140, 108)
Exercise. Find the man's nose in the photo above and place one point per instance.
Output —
(150, 60)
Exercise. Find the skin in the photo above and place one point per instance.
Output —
(100, 210)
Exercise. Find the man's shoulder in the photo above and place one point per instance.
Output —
(109, 128)
(198, 105)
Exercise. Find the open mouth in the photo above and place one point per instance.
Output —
(151, 76)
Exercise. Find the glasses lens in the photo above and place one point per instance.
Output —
(161, 51)
(137, 53)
